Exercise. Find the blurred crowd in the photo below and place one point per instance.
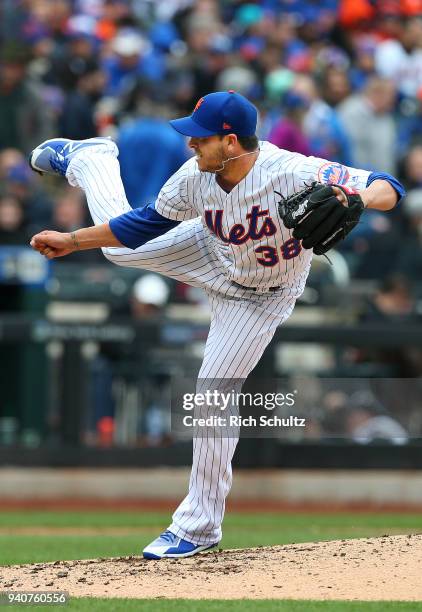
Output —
(339, 79)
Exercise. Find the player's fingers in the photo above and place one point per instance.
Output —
(38, 247)
(340, 195)
(38, 241)
(48, 252)
(42, 237)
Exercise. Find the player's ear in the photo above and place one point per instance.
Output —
(231, 141)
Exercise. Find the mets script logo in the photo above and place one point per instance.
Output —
(198, 104)
(260, 225)
(333, 173)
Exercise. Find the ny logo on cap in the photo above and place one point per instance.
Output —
(198, 104)
(227, 126)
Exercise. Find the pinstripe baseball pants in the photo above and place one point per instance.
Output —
(242, 324)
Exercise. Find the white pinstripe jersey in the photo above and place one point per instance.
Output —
(244, 229)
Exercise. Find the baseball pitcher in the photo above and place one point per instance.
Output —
(240, 219)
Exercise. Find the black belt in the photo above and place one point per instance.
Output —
(256, 288)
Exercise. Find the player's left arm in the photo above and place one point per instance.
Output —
(331, 201)
(382, 192)
(378, 190)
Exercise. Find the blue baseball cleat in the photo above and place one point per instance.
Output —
(53, 156)
(169, 545)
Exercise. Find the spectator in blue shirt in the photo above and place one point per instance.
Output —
(160, 151)
(133, 57)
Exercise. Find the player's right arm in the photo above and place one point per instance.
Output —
(58, 244)
(131, 229)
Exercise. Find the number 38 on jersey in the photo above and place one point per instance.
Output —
(260, 225)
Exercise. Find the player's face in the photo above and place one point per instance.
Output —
(209, 153)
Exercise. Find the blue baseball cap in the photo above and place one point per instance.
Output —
(221, 112)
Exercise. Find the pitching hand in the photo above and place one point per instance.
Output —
(53, 244)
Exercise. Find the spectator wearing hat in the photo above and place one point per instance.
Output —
(149, 297)
(132, 57)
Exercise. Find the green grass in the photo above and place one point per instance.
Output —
(186, 605)
(240, 530)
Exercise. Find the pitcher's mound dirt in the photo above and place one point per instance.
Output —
(389, 567)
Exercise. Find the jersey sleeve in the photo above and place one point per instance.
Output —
(174, 200)
(330, 173)
(140, 225)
